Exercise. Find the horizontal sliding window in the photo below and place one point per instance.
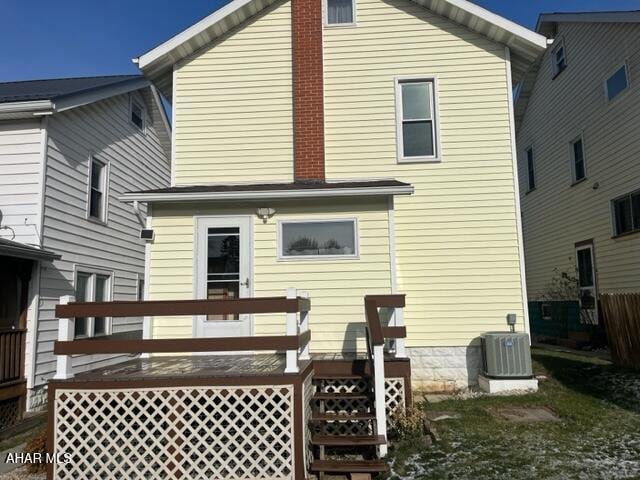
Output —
(330, 238)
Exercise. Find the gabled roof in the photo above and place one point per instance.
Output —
(26, 98)
(255, 191)
(547, 22)
(157, 64)
(14, 249)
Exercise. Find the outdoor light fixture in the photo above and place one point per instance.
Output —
(265, 213)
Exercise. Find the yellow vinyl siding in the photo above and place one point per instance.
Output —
(456, 237)
(336, 286)
(233, 105)
(557, 215)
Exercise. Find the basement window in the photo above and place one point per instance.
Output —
(340, 12)
(318, 239)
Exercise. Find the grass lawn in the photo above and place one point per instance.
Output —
(598, 436)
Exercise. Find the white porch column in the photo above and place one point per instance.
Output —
(304, 327)
(292, 329)
(398, 321)
(66, 327)
(379, 392)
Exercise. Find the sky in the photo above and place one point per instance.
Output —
(62, 38)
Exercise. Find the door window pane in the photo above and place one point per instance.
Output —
(223, 267)
(585, 268)
(617, 82)
(339, 12)
(330, 238)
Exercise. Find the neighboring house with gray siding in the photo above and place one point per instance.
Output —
(579, 161)
(68, 149)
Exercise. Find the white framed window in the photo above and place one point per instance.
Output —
(558, 58)
(617, 82)
(137, 113)
(578, 162)
(416, 119)
(339, 13)
(98, 190)
(308, 239)
(531, 171)
(92, 287)
(625, 211)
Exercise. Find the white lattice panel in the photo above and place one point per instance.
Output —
(234, 433)
(394, 395)
(308, 391)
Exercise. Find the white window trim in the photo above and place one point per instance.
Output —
(624, 64)
(612, 213)
(435, 123)
(572, 163)
(302, 258)
(143, 107)
(105, 190)
(92, 272)
(325, 16)
(526, 166)
(554, 65)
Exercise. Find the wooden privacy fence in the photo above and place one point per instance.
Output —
(621, 314)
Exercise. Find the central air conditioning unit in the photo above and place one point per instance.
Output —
(506, 355)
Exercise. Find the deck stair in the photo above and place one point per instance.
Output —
(343, 425)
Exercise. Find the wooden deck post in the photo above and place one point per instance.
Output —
(66, 328)
(292, 329)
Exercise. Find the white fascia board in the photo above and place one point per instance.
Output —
(266, 195)
(96, 94)
(524, 33)
(161, 50)
(41, 107)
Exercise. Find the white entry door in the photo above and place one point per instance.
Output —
(223, 271)
(588, 294)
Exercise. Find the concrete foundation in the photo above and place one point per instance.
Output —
(444, 369)
(512, 386)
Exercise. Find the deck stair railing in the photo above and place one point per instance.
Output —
(385, 327)
(295, 342)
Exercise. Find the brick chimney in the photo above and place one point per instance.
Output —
(308, 105)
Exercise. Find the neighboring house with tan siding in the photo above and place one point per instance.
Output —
(579, 167)
(345, 153)
(68, 149)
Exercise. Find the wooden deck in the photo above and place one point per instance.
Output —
(190, 366)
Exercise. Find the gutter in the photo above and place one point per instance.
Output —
(262, 195)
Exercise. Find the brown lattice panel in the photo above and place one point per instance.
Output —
(234, 433)
(10, 412)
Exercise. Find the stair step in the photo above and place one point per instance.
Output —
(342, 376)
(347, 440)
(349, 466)
(341, 396)
(342, 417)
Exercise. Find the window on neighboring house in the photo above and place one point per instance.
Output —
(140, 289)
(558, 58)
(617, 82)
(91, 287)
(531, 174)
(340, 12)
(137, 114)
(626, 213)
(578, 166)
(416, 124)
(327, 238)
(97, 189)
(546, 311)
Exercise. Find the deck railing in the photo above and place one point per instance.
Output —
(385, 318)
(12, 346)
(295, 342)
